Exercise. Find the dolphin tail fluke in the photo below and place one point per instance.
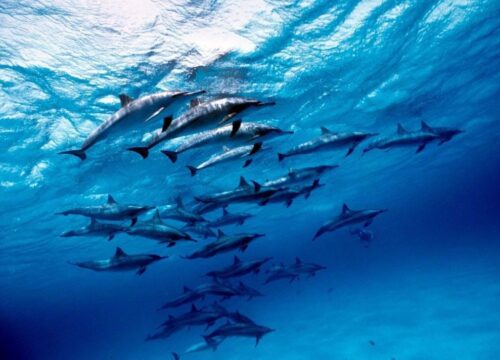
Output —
(141, 150)
(281, 157)
(79, 153)
(172, 155)
(175, 356)
(192, 170)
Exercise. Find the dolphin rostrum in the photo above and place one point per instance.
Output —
(328, 140)
(228, 154)
(224, 243)
(121, 262)
(237, 131)
(349, 217)
(110, 211)
(96, 228)
(131, 111)
(157, 230)
(239, 268)
(200, 114)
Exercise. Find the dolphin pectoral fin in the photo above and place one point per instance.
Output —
(236, 127)
(111, 236)
(172, 155)
(288, 203)
(78, 153)
(192, 170)
(133, 221)
(281, 157)
(247, 163)
(420, 148)
(141, 150)
(141, 270)
(257, 339)
(243, 248)
(167, 121)
(368, 223)
(175, 356)
(155, 114)
(171, 244)
(350, 151)
(241, 222)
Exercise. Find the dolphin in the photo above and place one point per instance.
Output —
(445, 134)
(328, 140)
(131, 111)
(198, 115)
(96, 228)
(349, 217)
(239, 268)
(240, 329)
(404, 138)
(157, 230)
(243, 193)
(180, 213)
(207, 344)
(306, 268)
(296, 176)
(288, 195)
(224, 243)
(194, 317)
(228, 218)
(237, 131)
(280, 272)
(363, 235)
(245, 290)
(199, 229)
(188, 296)
(110, 211)
(121, 262)
(228, 154)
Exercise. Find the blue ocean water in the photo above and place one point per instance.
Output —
(427, 286)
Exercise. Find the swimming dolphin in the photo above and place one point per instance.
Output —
(240, 329)
(131, 111)
(445, 134)
(280, 272)
(363, 235)
(249, 292)
(121, 262)
(207, 344)
(224, 243)
(205, 316)
(237, 131)
(288, 195)
(243, 193)
(188, 296)
(239, 268)
(228, 218)
(327, 141)
(296, 176)
(199, 115)
(110, 211)
(306, 268)
(228, 154)
(180, 213)
(157, 230)
(404, 138)
(349, 217)
(96, 228)
(199, 229)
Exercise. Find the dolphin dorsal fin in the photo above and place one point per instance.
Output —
(93, 222)
(167, 121)
(243, 183)
(186, 289)
(225, 212)
(220, 234)
(119, 252)
(195, 102)
(125, 99)
(111, 201)
(298, 261)
(236, 260)
(401, 130)
(346, 210)
(325, 130)
(225, 148)
(156, 219)
(194, 308)
(425, 127)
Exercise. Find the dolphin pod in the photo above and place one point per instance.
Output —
(204, 126)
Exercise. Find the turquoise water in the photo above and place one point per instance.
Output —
(426, 287)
